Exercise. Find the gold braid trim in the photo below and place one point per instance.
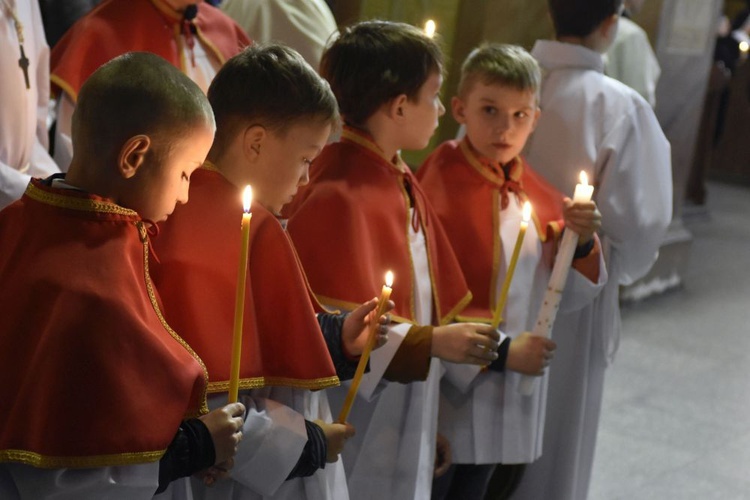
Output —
(258, 382)
(150, 288)
(65, 86)
(47, 462)
(73, 203)
(207, 165)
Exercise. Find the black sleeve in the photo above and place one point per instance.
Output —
(502, 356)
(314, 455)
(332, 325)
(191, 450)
(584, 250)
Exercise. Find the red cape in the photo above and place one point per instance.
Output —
(350, 225)
(92, 374)
(465, 191)
(198, 249)
(115, 27)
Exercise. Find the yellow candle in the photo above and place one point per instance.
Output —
(239, 303)
(497, 317)
(429, 28)
(385, 294)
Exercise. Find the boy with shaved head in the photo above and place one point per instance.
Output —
(101, 398)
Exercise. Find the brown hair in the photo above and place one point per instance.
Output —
(136, 93)
(269, 85)
(375, 61)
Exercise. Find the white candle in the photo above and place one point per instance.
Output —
(547, 313)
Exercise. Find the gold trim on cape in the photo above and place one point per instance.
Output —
(84, 204)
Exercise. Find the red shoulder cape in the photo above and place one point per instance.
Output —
(465, 193)
(92, 374)
(350, 225)
(115, 27)
(198, 250)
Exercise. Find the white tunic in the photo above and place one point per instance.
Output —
(23, 112)
(483, 414)
(632, 61)
(206, 67)
(274, 437)
(393, 453)
(304, 25)
(593, 122)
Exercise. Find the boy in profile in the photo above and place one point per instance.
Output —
(100, 396)
(363, 214)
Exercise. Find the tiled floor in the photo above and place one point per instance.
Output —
(676, 415)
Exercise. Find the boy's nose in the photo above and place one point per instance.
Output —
(182, 197)
(441, 108)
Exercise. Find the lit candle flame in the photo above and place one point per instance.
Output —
(247, 198)
(389, 279)
(744, 47)
(429, 28)
(526, 211)
(584, 178)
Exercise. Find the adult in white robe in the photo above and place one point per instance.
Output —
(480, 431)
(594, 123)
(304, 25)
(23, 112)
(632, 61)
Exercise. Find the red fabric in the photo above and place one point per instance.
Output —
(115, 27)
(464, 190)
(90, 372)
(350, 226)
(198, 249)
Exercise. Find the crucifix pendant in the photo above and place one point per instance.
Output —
(23, 63)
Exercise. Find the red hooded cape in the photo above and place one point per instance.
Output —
(351, 224)
(92, 374)
(115, 27)
(465, 190)
(198, 250)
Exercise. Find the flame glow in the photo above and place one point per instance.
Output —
(389, 279)
(526, 211)
(584, 178)
(429, 28)
(247, 198)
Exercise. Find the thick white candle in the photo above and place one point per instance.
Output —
(547, 313)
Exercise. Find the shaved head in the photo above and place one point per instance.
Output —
(136, 93)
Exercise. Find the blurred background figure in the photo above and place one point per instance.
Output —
(304, 25)
(631, 59)
(24, 98)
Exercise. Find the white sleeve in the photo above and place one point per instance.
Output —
(373, 381)
(634, 194)
(274, 437)
(63, 133)
(461, 375)
(580, 291)
(132, 482)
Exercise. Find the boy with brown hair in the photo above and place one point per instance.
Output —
(274, 114)
(99, 393)
(364, 214)
(478, 187)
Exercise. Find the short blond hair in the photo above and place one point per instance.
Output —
(500, 64)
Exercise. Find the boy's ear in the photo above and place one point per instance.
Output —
(458, 108)
(537, 114)
(606, 27)
(252, 140)
(133, 155)
(395, 108)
